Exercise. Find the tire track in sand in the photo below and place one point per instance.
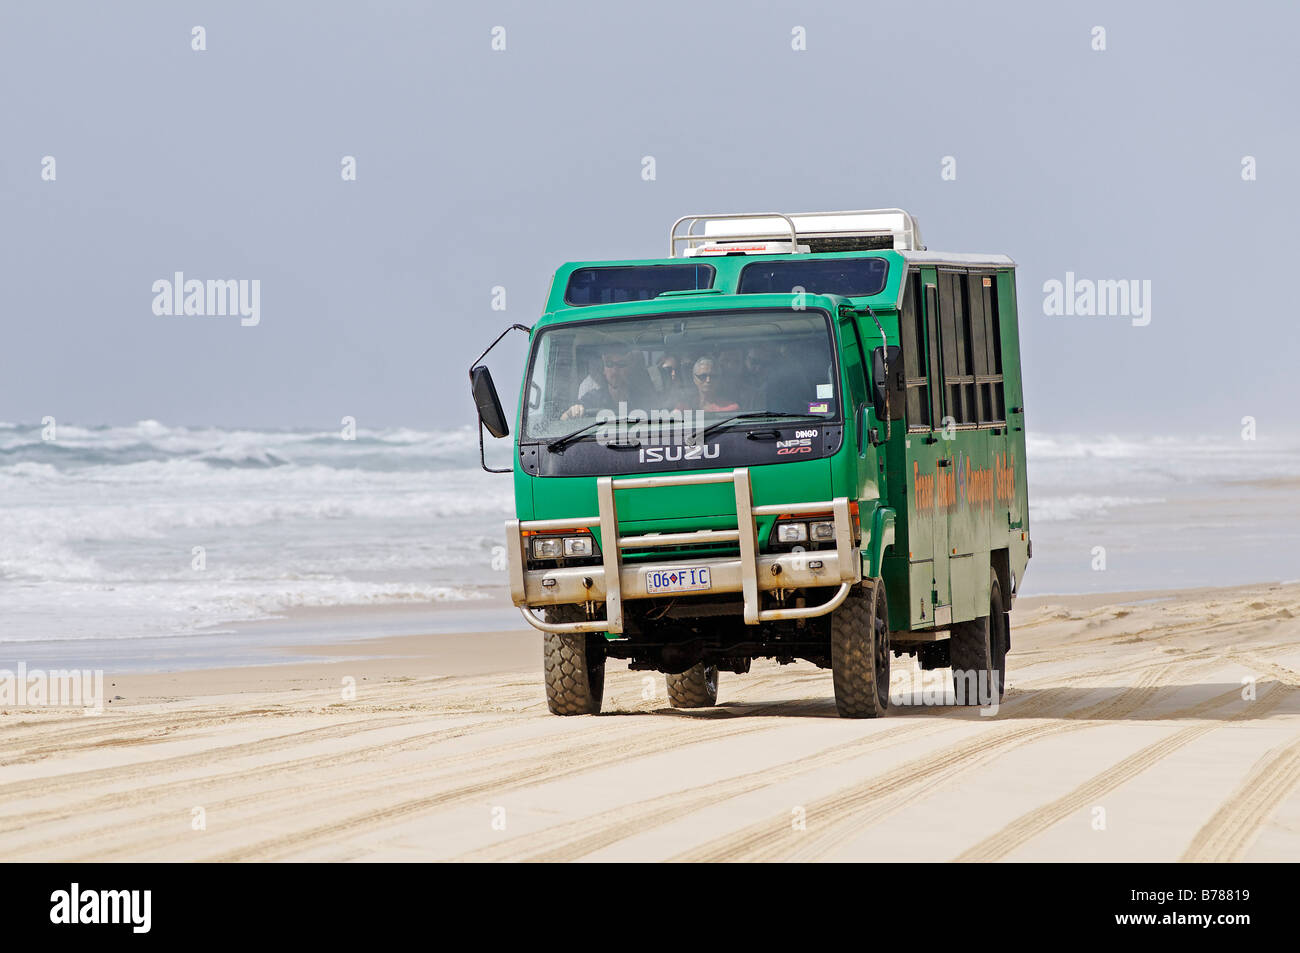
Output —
(577, 756)
(583, 836)
(848, 809)
(1232, 830)
(144, 794)
(1033, 823)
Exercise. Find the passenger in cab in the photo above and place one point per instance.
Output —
(752, 392)
(710, 388)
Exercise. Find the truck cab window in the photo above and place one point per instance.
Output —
(850, 277)
(616, 284)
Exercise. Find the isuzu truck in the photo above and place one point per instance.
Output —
(796, 436)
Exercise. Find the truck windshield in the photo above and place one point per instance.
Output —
(702, 367)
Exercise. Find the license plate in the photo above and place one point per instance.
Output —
(678, 580)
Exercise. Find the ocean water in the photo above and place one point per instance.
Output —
(99, 527)
(1115, 514)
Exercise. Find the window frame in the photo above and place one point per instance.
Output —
(568, 281)
(980, 398)
(994, 378)
(804, 260)
(912, 323)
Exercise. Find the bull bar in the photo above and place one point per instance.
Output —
(750, 573)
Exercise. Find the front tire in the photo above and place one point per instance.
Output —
(860, 653)
(697, 687)
(575, 666)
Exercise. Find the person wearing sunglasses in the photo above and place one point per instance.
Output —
(710, 387)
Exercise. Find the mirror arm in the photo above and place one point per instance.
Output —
(482, 458)
(514, 327)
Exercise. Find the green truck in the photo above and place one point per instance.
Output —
(798, 436)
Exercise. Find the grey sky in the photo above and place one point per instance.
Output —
(479, 168)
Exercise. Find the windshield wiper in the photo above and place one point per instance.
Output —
(755, 414)
(559, 443)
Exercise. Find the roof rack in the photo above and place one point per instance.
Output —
(820, 231)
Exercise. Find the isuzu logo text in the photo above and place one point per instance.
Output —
(673, 453)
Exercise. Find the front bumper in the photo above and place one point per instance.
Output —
(748, 574)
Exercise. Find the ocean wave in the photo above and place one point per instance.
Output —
(1046, 509)
(148, 440)
(89, 612)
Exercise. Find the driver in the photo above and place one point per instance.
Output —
(624, 379)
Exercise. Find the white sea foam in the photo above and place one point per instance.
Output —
(1046, 509)
(99, 528)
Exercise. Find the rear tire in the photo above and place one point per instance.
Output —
(979, 653)
(697, 687)
(574, 665)
(860, 653)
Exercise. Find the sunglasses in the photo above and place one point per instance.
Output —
(707, 378)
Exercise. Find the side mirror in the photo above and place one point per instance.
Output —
(889, 393)
(487, 402)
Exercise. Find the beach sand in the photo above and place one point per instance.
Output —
(1124, 735)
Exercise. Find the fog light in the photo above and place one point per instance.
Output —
(791, 532)
(548, 547)
(822, 531)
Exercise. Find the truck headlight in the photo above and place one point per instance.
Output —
(548, 547)
(560, 547)
(791, 532)
(821, 532)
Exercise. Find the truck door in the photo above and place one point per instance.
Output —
(855, 397)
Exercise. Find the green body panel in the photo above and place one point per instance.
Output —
(937, 508)
(879, 539)
(964, 496)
